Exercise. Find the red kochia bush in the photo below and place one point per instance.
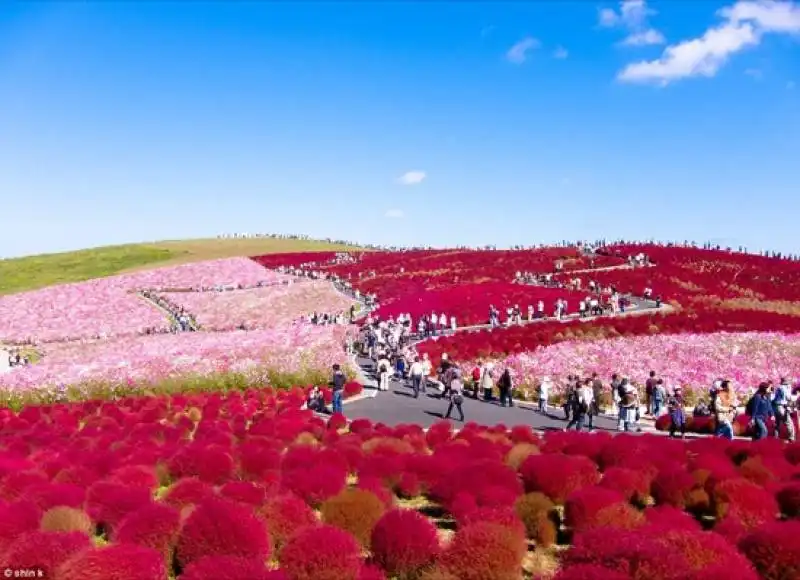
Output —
(226, 568)
(582, 506)
(634, 553)
(672, 487)
(285, 515)
(484, 551)
(114, 562)
(154, 526)
(589, 572)
(43, 550)
(244, 492)
(16, 519)
(404, 542)
(108, 503)
(749, 503)
(773, 549)
(220, 527)
(632, 484)
(557, 476)
(187, 491)
(321, 553)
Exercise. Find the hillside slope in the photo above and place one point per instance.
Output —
(32, 272)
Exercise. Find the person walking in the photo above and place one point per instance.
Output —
(504, 385)
(415, 372)
(544, 394)
(487, 382)
(676, 413)
(337, 385)
(724, 408)
(759, 407)
(581, 406)
(456, 394)
(781, 401)
(597, 393)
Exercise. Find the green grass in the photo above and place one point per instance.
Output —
(32, 272)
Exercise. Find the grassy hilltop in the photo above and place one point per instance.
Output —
(31, 272)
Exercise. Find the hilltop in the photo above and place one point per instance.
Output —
(32, 272)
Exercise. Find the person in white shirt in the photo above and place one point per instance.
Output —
(416, 373)
(442, 321)
(426, 371)
(544, 394)
(383, 373)
(530, 312)
(540, 308)
(453, 323)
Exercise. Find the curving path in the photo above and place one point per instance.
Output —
(398, 405)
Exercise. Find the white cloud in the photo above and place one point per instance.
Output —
(632, 15)
(767, 15)
(519, 52)
(560, 53)
(608, 18)
(412, 177)
(702, 56)
(754, 73)
(647, 37)
(487, 30)
(395, 214)
(745, 22)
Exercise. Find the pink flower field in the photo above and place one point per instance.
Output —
(109, 306)
(296, 351)
(261, 307)
(693, 361)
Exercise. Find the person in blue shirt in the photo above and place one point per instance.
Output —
(760, 410)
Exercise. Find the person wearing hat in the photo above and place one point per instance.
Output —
(628, 408)
(724, 407)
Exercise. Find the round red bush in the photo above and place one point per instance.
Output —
(582, 506)
(315, 483)
(505, 517)
(244, 492)
(750, 503)
(589, 572)
(321, 553)
(44, 550)
(154, 526)
(632, 484)
(285, 515)
(557, 476)
(114, 562)
(702, 549)
(634, 553)
(16, 519)
(484, 551)
(108, 503)
(404, 542)
(773, 549)
(672, 487)
(368, 572)
(666, 516)
(189, 491)
(220, 527)
(226, 568)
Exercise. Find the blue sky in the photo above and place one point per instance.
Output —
(517, 123)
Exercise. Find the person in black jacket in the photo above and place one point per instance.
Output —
(337, 384)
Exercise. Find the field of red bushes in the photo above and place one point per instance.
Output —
(246, 485)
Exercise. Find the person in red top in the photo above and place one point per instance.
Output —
(649, 389)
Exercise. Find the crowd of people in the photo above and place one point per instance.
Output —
(182, 321)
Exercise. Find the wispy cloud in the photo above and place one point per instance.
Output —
(487, 30)
(518, 53)
(395, 214)
(743, 26)
(412, 177)
(633, 16)
(647, 37)
(790, 85)
(754, 73)
(560, 53)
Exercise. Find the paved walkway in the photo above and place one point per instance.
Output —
(398, 405)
